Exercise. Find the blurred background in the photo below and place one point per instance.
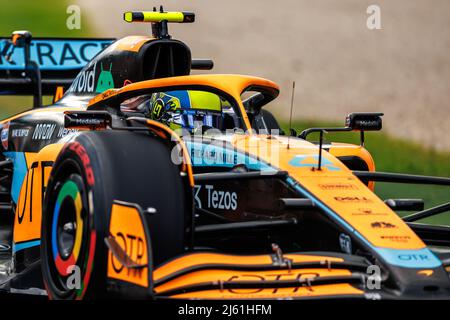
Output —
(339, 65)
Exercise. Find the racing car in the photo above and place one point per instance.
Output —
(143, 181)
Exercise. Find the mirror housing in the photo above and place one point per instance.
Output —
(364, 121)
(405, 204)
(87, 120)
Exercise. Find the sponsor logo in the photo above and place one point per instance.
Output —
(43, 131)
(85, 81)
(197, 199)
(367, 212)
(419, 259)
(81, 152)
(5, 135)
(413, 257)
(382, 225)
(397, 238)
(158, 109)
(216, 199)
(337, 186)
(346, 243)
(311, 161)
(353, 199)
(219, 199)
(135, 247)
(20, 133)
(52, 54)
(367, 123)
(62, 132)
(105, 79)
(270, 277)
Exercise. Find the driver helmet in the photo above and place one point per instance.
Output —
(186, 109)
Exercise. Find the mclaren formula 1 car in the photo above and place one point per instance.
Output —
(143, 181)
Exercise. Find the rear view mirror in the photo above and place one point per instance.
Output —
(364, 121)
(202, 64)
(87, 120)
(405, 204)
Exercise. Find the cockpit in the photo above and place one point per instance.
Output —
(199, 111)
(190, 110)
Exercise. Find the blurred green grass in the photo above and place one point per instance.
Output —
(43, 18)
(396, 155)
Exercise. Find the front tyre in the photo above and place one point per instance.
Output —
(69, 233)
(90, 173)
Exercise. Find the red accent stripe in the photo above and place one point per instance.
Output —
(62, 265)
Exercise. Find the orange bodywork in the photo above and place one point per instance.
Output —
(335, 186)
(345, 149)
(203, 268)
(197, 259)
(255, 293)
(27, 224)
(127, 228)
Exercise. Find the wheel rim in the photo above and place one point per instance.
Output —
(69, 240)
(67, 227)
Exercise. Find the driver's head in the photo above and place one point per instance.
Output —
(187, 109)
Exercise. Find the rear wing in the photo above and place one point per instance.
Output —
(59, 61)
